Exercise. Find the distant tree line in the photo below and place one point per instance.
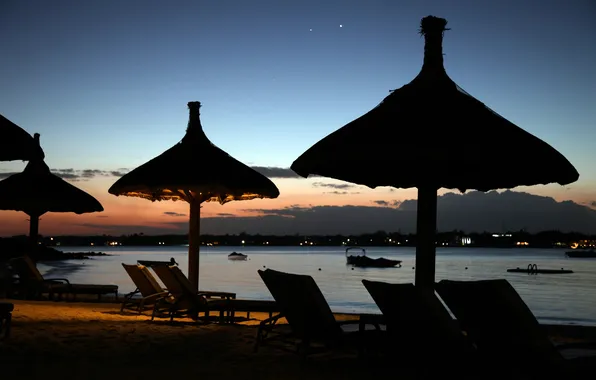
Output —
(545, 239)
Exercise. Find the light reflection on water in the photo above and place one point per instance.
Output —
(567, 298)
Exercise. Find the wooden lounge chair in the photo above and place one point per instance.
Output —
(147, 287)
(420, 330)
(6, 309)
(508, 334)
(187, 300)
(31, 284)
(308, 314)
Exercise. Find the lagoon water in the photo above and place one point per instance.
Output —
(560, 298)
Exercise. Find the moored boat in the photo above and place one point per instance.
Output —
(363, 261)
(237, 256)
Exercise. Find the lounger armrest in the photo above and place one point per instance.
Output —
(158, 296)
(56, 280)
(131, 294)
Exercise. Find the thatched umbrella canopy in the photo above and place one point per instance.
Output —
(36, 191)
(16, 143)
(196, 171)
(431, 134)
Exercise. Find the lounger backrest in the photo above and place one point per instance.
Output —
(497, 318)
(139, 275)
(26, 268)
(169, 280)
(417, 316)
(302, 303)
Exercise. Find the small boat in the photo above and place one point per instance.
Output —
(152, 263)
(364, 261)
(533, 269)
(581, 253)
(237, 256)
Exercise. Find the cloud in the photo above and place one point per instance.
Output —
(593, 204)
(471, 212)
(393, 203)
(274, 172)
(101, 216)
(86, 174)
(339, 186)
(336, 192)
(125, 229)
(80, 174)
(381, 203)
(172, 213)
(225, 214)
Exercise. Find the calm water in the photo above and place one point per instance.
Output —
(568, 298)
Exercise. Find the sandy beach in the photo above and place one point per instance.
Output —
(80, 340)
(85, 340)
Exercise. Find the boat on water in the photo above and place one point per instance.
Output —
(153, 263)
(237, 256)
(363, 261)
(581, 253)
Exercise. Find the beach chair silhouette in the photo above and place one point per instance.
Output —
(146, 286)
(507, 333)
(312, 323)
(31, 284)
(421, 331)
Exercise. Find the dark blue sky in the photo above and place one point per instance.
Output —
(106, 82)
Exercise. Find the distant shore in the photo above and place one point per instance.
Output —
(451, 239)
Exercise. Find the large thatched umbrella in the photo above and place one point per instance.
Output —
(36, 191)
(196, 171)
(16, 143)
(431, 134)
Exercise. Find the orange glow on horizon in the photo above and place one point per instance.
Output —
(128, 211)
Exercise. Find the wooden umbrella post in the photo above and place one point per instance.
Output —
(33, 229)
(194, 240)
(426, 225)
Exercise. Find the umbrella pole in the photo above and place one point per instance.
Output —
(194, 241)
(33, 229)
(426, 225)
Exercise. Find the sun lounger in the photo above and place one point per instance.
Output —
(6, 309)
(506, 331)
(187, 300)
(147, 287)
(308, 314)
(420, 329)
(31, 284)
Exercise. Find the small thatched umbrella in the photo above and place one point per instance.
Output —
(431, 134)
(196, 171)
(16, 143)
(36, 191)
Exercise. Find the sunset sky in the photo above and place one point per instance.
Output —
(106, 84)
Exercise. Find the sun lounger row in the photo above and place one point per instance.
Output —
(494, 334)
(31, 284)
(181, 298)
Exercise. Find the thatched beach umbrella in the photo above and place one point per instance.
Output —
(16, 143)
(431, 134)
(36, 191)
(196, 171)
